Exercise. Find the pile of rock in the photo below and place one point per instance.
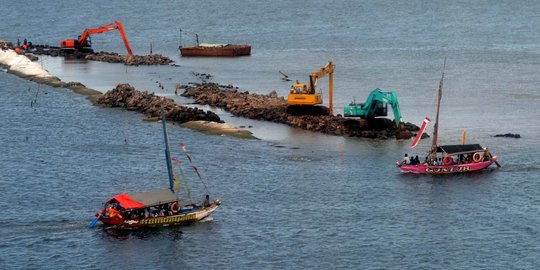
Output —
(126, 96)
(273, 108)
(135, 60)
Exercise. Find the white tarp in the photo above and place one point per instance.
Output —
(21, 64)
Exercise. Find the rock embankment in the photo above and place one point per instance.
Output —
(126, 96)
(152, 59)
(273, 108)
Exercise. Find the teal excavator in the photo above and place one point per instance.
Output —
(375, 105)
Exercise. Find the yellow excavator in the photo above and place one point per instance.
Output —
(303, 98)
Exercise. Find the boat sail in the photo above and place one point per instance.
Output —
(447, 159)
(162, 207)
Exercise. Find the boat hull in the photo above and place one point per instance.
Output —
(184, 218)
(445, 169)
(225, 51)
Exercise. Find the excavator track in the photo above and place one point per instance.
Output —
(307, 110)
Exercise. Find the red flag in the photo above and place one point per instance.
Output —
(420, 132)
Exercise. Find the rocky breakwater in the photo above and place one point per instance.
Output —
(273, 108)
(126, 96)
(135, 60)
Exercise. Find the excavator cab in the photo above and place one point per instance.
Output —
(298, 88)
(301, 94)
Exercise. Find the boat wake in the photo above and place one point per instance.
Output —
(299, 158)
(520, 167)
(208, 219)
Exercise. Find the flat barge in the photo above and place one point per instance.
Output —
(216, 50)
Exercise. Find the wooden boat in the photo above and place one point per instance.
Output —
(455, 159)
(162, 207)
(216, 50)
(448, 159)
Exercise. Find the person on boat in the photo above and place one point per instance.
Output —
(206, 202)
(487, 155)
(114, 213)
(406, 159)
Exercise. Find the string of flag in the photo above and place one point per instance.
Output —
(179, 164)
(183, 147)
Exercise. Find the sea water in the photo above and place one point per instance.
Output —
(293, 199)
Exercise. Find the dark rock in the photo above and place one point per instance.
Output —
(126, 96)
(508, 135)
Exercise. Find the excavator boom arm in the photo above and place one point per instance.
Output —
(124, 37)
(87, 32)
(328, 69)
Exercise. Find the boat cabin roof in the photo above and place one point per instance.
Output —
(459, 148)
(145, 199)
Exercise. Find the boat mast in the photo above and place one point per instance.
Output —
(436, 126)
(167, 152)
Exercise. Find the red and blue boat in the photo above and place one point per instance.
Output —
(156, 208)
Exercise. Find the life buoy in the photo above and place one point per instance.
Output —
(477, 157)
(448, 160)
(174, 207)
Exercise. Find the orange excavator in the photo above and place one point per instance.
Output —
(84, 43)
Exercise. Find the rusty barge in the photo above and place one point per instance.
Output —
(216, 50)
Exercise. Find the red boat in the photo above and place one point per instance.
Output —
(219, 50)
(447, 159)
(453, 159)
(162, 207)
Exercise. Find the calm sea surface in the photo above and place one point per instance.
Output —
(293, 199)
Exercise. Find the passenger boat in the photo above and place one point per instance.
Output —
(453, 159)
(219, 50)
(162, 207)
(448, 159)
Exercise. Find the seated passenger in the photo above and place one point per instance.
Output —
(406, 159)
(206, 202)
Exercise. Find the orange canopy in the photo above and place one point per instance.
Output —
(127, 202)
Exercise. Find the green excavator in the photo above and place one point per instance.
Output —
(375, 105)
